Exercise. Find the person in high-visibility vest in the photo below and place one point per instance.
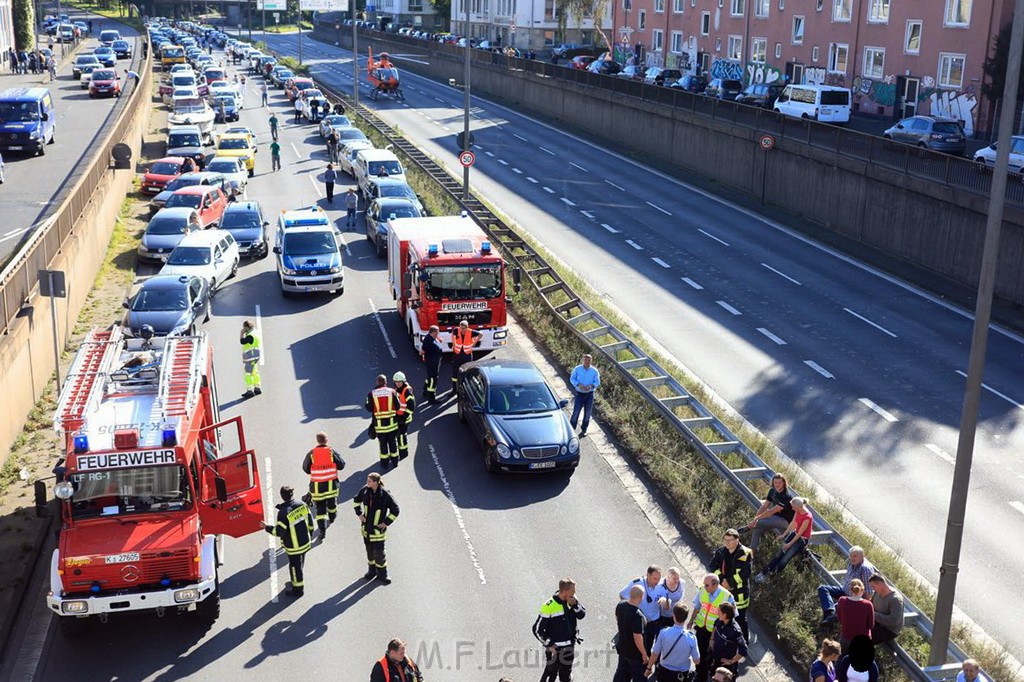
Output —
(706, 605)
(382, 404)
(251, 353)
(377, 510)
(295, 530)
(406, 406)
(323, 463)
(462, 343)
(395, 666)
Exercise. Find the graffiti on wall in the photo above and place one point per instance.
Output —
(881, 91)
(727, 68)
(959, 105)
(814, 75)
(759, 72)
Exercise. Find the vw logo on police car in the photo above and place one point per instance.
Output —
(130, 573)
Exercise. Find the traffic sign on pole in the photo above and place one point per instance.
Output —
(467, 159)
(767, 142)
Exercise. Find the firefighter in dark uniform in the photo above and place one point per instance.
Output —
(462, 343)
(376, 510)
(406, 406)
(732, 563)
(431, 353)
(555, 627)
(323, 463)
(382, 404)
(295, 530)
(395, 666)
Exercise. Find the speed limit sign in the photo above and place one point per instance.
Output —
(767, 142)
(467, 159)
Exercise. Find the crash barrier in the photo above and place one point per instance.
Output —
(723, 450)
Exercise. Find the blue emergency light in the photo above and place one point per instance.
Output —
(485, 247)
(81, 443)
(169, 437)
(95, 588)
(165, 581)
(432, 250)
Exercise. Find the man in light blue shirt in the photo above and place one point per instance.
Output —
(674, 648)
(584, 379)
(650, 606)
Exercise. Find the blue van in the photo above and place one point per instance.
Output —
(27, 120)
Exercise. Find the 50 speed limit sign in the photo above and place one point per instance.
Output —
(467, 159)
(767, 142)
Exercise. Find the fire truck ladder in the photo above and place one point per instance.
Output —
(86, 379)
(180, 374)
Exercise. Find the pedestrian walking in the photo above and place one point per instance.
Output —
(857, 568)
(330, 176)
(351, 206)
(12, 58)
(322, 464)
(273, 127)
(707, 605)
(382, 403)
(264, 93)
(406, 406)
(395, 666)
(275, 155)
(298, 110)
(732, 563)
(556, 628)
(377, 510)
(797, 535)
(462, 343)
(431, 353)
(252, 353)
(675, 649)
(629, 638)
(728, 646)
(651, 604)
(295, 530)
(585, 379)
(775, 512)
(51, 66)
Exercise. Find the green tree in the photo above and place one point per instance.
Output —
(995, 67)
(580, 11)
(443, 12)
(23, 12)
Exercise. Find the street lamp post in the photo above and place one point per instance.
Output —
(466, 98)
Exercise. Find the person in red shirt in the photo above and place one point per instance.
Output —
(794, 540)
(856, 615)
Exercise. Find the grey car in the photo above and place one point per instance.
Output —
(381, 188)
(378, 215)
(165, 230)
(724, 88)
(930, 132)
(247, 224)
(170, 304)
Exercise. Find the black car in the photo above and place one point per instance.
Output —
(171, 304)
(760, 94)
(122, 48)
(697, 84)
(246, 222)
(516, 417)
(724, 88)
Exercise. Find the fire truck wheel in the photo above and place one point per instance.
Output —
(72, 628)
(208, 610)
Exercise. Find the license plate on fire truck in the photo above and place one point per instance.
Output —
(121, 558)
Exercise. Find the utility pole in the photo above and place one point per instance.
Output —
(976, 364)
(300, 31)
(466, 142)
(355, 57)
(248, 16)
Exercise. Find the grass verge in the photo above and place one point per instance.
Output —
(105, 11)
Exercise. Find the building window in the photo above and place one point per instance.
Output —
(735, 50)
(738, 8)
(951, 70)
(659, 5)
(549, 38)
(658, 44)
(815, 53)
(878, 12)
(841, 10)
(778, 50)
(874, 62)
(820, 5)
(837, 54)
(587, 37)
(759, 50)
(705, 23)
(798, 30)
(912, 40)
(677, 6)
(693, 3)
(677, 42)
(642, 24)
(761, 8)
(718, 44)
(958, 12)
(782, 5)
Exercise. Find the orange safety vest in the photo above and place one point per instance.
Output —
(322, 468)
(462, 343)
(403, 398)
(385, 666)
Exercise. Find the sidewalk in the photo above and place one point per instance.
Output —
(28, 80)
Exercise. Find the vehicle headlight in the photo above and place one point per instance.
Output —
(289, 271)
(185, 596)
(64, 490)
(77, 607)
(34, 133)
(515, 454)
(503, 451)
(574, 446)
(500, 334)
(334, 271)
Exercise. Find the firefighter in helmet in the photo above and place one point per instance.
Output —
(406, 406)
(382, 404)
(323, 463)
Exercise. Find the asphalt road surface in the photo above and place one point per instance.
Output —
(36, 184)
(855, 374)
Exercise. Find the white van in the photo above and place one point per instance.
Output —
(308, 253)
(825, 103)
(376, 163)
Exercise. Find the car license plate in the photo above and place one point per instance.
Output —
(952, 139)
(121, 558)
(17, 147)
(542, 465)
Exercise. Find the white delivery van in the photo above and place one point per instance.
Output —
(825, 103)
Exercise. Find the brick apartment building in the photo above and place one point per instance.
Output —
(900, 57)
(525, 24)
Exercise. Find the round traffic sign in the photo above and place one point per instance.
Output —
(766, 142)
(467, 159)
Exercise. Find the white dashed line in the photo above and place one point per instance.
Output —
(439, 100)
(575, 165)
(531, 179)
(316, 185)
(271, 539)
(476, 146)
(567, 202)
(296, 149)
(887, 416)
(995, 392)
(519, 137)
(771, 336)
(259, 330)
(728, 307)
(621, 189)
(609, 228)
(819, 369)
(543, 149)
(491, 154)
(708, 234)
(659, 208)
(458, 515)
(517, 171)
(634, 245)
(588, 214)
(876, 326)
(940, 453)
(383, 331)
(661, 263)
(446, 129)
(549, 190)
(1018, 505)
(503, 162)
(692, 283)
(781, 274)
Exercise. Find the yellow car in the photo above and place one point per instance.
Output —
(171, 55)
(238, 146)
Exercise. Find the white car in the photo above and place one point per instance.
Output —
(218, 88)
(347, 154)
(236, 177)
(83, 80)
(307, 106)
(987, 156)
(181, 68)
(210, 254)
(192, 111)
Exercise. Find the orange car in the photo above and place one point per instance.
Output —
(160, 173)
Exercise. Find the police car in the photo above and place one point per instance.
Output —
(308, 251)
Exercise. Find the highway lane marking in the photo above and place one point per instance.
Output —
(995, 392)
(520, 137)
(1018, 505)
(567, 202)
(661, 263)
(268, 475)
(886, 415)
(876, 326)
(476, 146)
(457, 511)
(609, 228)
(819, 369)
(940, 453)
(728, 307)
(615, 186)
(14, 233)
(438, 99)
(383, 331)
(587, 214)
(781, 274)
(692, 283)
(708, 234)
(446, 129)
(503, 162)
(491, 154)
(316, 186)
(517, 171)
(545, 149)
(771, 336)
(634, 245)
(575, 165)
(531, 179)
(549, 190)
(259, 330)
(296, 149)
(659, 208)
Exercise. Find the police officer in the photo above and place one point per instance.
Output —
(732, 563)
(382, 404)
(395, 666)
(251, 354)
(323, 463)
(462, 343)
(406, 406)
(376, 510)
(431, 353)
(295, 530)
(555, 627)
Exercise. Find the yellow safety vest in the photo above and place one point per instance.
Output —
(710, 608)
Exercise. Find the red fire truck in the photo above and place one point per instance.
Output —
(443, 270)
(150, 481)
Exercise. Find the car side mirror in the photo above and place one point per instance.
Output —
(563, 402)
(45, 116)
(277, 250)
(222, 489)
(477, 408)
(124, 303)
(517, 279)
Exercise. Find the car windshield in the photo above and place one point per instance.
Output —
(227, 100)
(284, 73)
(186, 105)
(183, 81)
(182, 181)
(398, 211)
(223, 166)
(164, 168)
(189, 255)
(86, 59)
(309, 243)
(121, 44)
(946, 128)
(103, 75)
(463, 282)
(351, 134)
(184, 140)
(160, 299)
(303, 85)
(233, 143)
(391, 167)
(338, 121)
(19, 112)
(129, 491)
(167, 225)
(214, 74)
(186, 200)
(240, 220)
(397, 190)
(520, 398)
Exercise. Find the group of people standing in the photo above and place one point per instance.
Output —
(31, 61)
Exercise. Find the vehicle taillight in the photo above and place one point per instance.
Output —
(935, 136)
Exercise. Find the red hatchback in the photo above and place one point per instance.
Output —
(208, 201)
(105, 82)
(293, 87)
(581, 62)
(160, 173)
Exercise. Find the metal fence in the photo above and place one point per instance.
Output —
(18, 278)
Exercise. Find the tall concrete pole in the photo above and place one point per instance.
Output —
(355, 56)
(466, 99)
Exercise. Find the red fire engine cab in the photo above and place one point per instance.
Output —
(150, 481)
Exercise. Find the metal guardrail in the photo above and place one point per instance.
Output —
(720, 447)
(18, 279)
